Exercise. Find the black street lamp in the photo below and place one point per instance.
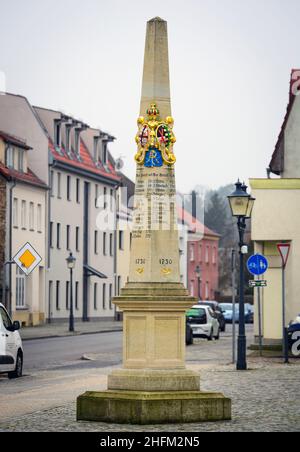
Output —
(241, 204)
(198, 275)
(71, 260)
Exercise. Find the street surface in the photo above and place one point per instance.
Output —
(264, 398)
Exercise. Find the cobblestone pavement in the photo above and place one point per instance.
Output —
(265, 398)
(62, 329)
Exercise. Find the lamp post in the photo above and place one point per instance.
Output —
(71, 260)
(241, 204)
(198, 275)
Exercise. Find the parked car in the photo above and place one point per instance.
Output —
(249, 313)
(214, 305)
(227, 310)
(293, 327)
(204, 322)
(11, 350)
(189, 338)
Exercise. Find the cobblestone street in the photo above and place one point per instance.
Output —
(265, 398)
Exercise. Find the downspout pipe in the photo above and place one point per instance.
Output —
(11, 188)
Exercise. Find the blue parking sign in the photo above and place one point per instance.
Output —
(257, 265)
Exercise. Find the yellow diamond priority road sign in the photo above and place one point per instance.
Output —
(27, 259)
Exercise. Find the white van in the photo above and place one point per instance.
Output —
(11, 350)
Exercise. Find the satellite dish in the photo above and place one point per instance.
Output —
(119, 164)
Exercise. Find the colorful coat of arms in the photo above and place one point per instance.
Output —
(155, 140)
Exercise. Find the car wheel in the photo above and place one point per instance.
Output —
(18, 372)
(211, 336)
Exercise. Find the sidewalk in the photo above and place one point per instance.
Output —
(62, 329)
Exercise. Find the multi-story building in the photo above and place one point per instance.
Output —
(74, 161)
(276, 218)
(82, 217)
(202, 258)
(22, 219)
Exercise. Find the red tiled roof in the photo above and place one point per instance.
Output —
(86, 163)
(28, 178)
(277, 161)
(13, 140)
(194, 224)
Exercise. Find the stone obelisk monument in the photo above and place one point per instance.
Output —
(154, 385)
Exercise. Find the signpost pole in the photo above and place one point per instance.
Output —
(233, 268)
(284, 329)
(259, 321)
(284, 250)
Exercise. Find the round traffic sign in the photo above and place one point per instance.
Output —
(257, 264)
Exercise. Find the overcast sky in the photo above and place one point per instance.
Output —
(230, 63)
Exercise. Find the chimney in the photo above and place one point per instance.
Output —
(106, 138)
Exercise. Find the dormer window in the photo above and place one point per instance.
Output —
(9, 157)
(57, 132)
(96, 156)
(68, 138)
(104, 153)
(21, 160)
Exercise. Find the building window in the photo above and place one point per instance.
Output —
(31, 216)
(51, 234)
(77, 238)
(110, 296)
(104, 243)
(207, 254)
(207, 290)
(111, 243)
(9, 157)
(69, 188)
(96, 196)
(104, 153)
(104, 296)
(23, 215)
(192, 289)
(119, 284)
(200, 252)
(214, 255)
(15, 213)
(192, 253)
(96, 242)
(59, 185)
(76, 295)
(67, 295)
(58, 236)
(39, 218)
(95, 296)
(57, 129)
(50, 294)
(52, 183)
(68, 237)
(20, 289)
(105, 198)
(78, 191)
(21, 160)
(121, 240)
(111, 200)
(57, 295)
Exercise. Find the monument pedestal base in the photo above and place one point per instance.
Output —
(137, 407)
(154, 386)
(153, 380)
